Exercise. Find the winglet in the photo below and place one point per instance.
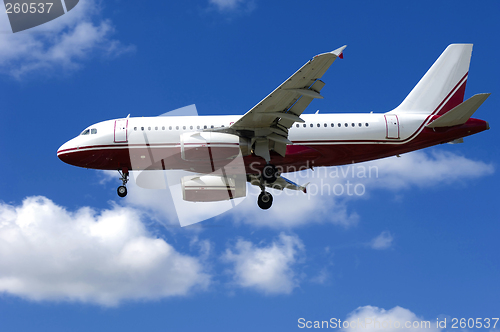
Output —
(339, 52)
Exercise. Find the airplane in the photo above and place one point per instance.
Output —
(275, 137)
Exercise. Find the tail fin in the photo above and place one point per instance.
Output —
(443, 86)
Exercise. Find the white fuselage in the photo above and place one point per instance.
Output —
(333, 128)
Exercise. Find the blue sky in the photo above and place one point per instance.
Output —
(421, 243)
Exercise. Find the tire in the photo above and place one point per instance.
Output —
(269, 173)
(265, 200)
(122, 191)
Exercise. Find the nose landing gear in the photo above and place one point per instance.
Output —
(122, 190)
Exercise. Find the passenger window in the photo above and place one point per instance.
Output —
(198, 127)
(149, 128)
(339, 125)
(333, 124)
(222, 126)
(170, 128)
(297, 125)
(366, 124)
(211, 126)
(346, 124)
(142, 128)
(326, 125)
(191, 127)
(156, 128)
(135, 128)
(205, 127)
(93, 131)
(163, 128)
(304, 125)
(359, 124)
(176, 127)
(318, 125)
(184, 127)
(353, 124)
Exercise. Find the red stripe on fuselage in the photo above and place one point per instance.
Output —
(114, 146)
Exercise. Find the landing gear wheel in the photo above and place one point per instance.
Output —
(265, 200)
(122, 191)
(269, 173)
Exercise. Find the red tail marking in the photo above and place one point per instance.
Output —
(455, 100)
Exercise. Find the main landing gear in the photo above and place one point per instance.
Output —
(122, 190)
(265, 200)
(269, 175)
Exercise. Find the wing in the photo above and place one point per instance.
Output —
(274, 115)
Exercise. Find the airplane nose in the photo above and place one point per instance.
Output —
(62, 148)
(60, 151)
(65, 150)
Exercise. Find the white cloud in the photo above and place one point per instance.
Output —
(268, 269)
(225, 4)
(378, 319)
(427, 169)
(322, 277)
(48, 253)
(383, 241)
(205, 247)
(157, 203)
(59, 45)
(232, 5)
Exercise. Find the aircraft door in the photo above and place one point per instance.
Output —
(121, 131)
(392, 123)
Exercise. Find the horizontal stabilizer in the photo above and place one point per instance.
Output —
(281, 183)
(461, 113)
(457, 141)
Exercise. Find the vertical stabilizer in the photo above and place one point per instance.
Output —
(443, 86)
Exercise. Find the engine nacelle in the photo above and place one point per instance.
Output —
(213, 188)
(211, 146)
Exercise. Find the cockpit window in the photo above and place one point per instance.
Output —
(93, 131)
(85, 132)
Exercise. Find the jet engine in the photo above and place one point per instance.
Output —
(212, 146)
(213, 188)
